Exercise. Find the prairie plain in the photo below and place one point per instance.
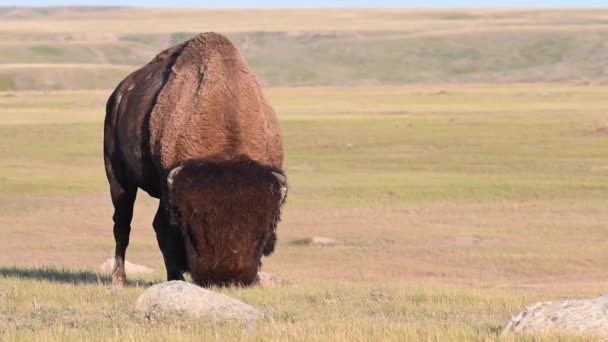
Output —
(453, 207)
(454, 204)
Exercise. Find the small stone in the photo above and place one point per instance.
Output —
(269, 280)
(131, 268)
(322, 241)
(182, 297)
(584, 316)
(316, 241)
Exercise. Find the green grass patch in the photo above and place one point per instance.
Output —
(374, 155)
(46, 50)
(7, 83)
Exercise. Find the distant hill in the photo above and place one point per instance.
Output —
(33, 12)
(87, 47)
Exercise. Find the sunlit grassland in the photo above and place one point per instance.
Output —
(399, 144)
(454, 207)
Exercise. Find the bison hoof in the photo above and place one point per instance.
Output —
(175, 276)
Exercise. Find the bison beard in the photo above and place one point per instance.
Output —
(227, 213)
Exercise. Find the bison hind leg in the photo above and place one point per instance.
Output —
(123, 199)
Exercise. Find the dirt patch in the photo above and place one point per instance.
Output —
(510, 244)
(602, 131)
(431, 93)
(469, 240)
(603, 168)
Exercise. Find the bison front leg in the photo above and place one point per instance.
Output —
(171, 245)
(123, 200)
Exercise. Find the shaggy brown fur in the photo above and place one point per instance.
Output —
(195, 101)
(227, 212)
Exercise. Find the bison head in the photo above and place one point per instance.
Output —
(227, 213)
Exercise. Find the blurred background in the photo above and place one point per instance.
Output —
(63, 48)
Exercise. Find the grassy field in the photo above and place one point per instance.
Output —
(92, 48)
(453, 206)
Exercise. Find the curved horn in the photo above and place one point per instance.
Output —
(283, 181)
(172, 175)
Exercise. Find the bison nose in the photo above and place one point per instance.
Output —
(233, 275)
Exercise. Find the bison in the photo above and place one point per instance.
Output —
(193, 129)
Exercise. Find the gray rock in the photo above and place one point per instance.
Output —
(183, 297)
(584, 316)
(322, 241)
(130, 268)
(316, 241)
